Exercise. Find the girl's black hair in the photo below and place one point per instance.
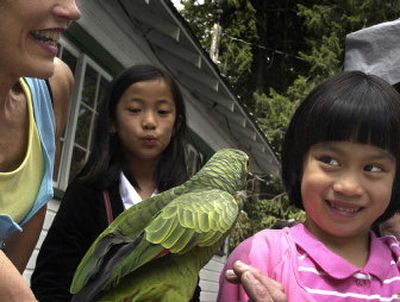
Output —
(106, 159)
(350, 106)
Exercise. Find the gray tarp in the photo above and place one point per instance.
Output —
(375, 50)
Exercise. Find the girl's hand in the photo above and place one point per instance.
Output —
(258, 287)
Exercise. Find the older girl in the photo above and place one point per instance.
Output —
(138, 152)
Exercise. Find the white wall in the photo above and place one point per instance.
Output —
(209, 277)
(52, 208)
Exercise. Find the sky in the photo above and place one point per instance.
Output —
(177, 4)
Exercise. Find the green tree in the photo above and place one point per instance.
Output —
(282, 50)
(326, 26)
(239, 33)
(258, 45)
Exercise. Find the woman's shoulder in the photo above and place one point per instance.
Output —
(62, 80)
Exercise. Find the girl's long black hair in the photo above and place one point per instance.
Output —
(106, 160)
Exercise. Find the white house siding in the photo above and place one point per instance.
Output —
(52, 208)
(209, 275)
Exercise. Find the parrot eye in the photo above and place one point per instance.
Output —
(247, 164)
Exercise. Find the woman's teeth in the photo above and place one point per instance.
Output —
(46, 36)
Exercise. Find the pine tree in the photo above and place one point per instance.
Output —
(273, 54)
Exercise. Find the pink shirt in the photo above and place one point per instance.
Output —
(309, 271)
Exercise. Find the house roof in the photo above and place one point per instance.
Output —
(181, 53)
(154, 31)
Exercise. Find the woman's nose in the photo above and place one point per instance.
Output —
(67, 9)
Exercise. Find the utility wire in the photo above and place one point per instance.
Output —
(277, 51)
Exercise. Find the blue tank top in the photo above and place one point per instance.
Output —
(45, 123)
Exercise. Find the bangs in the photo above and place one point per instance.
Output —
(364, 117)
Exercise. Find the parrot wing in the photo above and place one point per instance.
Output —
(200, 218)
(195, 219)
(124, 229)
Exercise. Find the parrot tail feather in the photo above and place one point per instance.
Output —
(120, 261)
(96, 283)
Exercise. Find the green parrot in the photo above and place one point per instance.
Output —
(155, 250)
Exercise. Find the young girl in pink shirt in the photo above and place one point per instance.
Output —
(340, 164)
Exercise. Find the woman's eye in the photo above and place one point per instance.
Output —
(329, 160)
(134, 110)
(373, 168)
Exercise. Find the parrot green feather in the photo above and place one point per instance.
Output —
(183, 226)
(164, 282)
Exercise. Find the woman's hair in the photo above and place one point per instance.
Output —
(350, 106)
(106, 159)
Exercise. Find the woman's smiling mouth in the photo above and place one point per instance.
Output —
(48, 39)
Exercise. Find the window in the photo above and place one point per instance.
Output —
(91, 83)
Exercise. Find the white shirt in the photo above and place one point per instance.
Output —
(128, 193)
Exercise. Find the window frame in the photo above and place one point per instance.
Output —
(69, 137)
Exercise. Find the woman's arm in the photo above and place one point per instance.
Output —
(12, 286)
(19, 246)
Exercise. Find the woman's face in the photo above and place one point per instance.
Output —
(145, 118)
(29, 32)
